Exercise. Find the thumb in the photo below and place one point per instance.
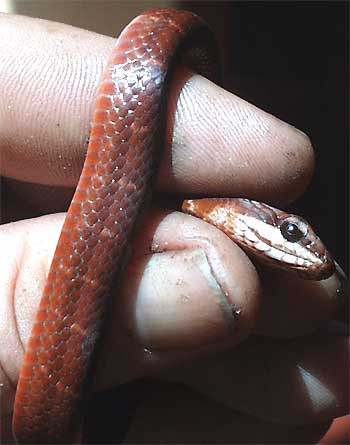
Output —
(179, 297)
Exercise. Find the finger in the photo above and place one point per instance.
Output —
(47, 92)
(194, 418)
(220, 143)
(223, 145)
(338, 432)
(302, 381)
(173, 304)
(293, 307)
(186, 300)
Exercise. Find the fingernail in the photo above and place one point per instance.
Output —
(178, 302)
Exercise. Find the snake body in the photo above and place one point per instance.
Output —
(127, 134)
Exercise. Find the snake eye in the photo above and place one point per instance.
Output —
(292, 231)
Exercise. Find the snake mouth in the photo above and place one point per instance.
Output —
(307, 257)
(271, 235)
(318, 270)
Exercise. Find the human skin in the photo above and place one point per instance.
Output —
(188, 292)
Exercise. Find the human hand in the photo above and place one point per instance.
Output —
(164, 313)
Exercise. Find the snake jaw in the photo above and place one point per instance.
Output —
(261, 231)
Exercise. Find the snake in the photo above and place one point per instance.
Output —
(126, 139)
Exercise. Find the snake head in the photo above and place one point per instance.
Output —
(271, 235)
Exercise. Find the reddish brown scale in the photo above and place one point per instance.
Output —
(121, 161)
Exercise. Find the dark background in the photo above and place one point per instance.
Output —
(290, 59)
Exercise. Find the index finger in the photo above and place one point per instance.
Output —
(221, 145)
